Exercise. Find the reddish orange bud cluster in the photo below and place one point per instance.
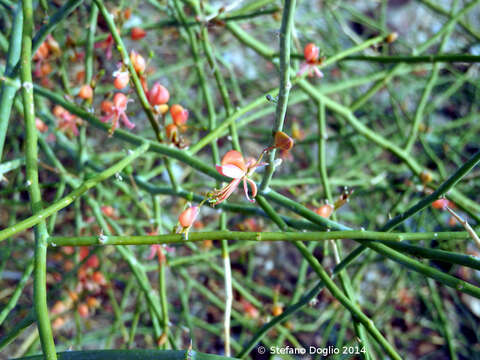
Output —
(43, 55)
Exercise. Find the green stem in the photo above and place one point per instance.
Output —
(31, 157)
(288, 19)
(255, 236)
(414, 59)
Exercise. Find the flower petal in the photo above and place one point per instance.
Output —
(253, 186)
(232, 171)
(126, 121)
(233, 157)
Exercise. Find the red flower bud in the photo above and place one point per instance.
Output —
(158, 94)
(137, 33)
(311, 53)
(188, 216)
(179, 114)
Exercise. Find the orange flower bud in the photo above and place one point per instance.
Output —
(283, 141)
(158, 94)
(40, 125)
(58, 323)
(121, 80)
(325, 211)
(86, 92)
(250, 310)
(138, 62)
(108, 211)
(45, 69)
(98, 278)
(188, 216)
(42, 52)
(137, 33)
(58, 111)
(311, 52)
(179, 114)
(59, 307)
(277, 310)
(106, 107)
(82, 309)
(92, 302)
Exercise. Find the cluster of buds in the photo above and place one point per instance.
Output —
(67, 122)
(47, 51)
(91, 282)
(311, 52)
(158, 97)
(178, 125)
